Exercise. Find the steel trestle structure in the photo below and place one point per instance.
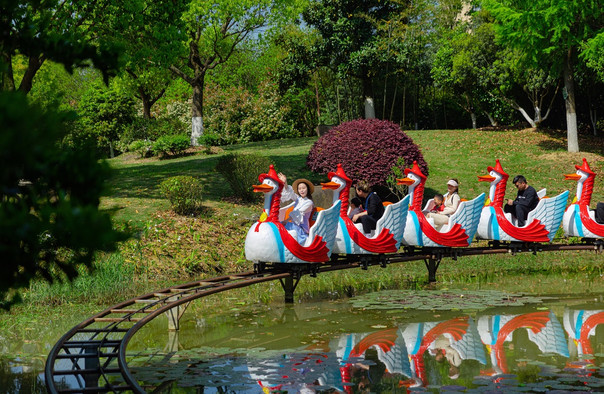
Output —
(91, 357)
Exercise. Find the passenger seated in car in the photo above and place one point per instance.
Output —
(450, 205)
(373, 205)
(355, 207)
(297, 223)
(526, 200)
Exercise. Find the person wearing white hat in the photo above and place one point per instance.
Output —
(451, 203)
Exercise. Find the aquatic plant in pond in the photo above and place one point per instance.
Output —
(444, 300)
(522, 344)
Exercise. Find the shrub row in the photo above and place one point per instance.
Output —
(240, 171)
(168, 145)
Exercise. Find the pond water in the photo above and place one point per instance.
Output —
(392, 341)
(389, 342)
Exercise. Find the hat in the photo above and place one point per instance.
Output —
(452, 183)
(311, 188)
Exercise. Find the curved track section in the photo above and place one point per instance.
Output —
(91, 357)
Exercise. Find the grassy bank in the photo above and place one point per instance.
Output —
(168, 248)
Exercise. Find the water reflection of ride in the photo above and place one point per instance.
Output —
(581, 325)
(269, 241)
(420, 231)
(578, 219)
(397, 355)
(350, 239)
(543, 329)
(541, 223)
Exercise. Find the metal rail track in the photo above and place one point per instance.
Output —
(91, 357)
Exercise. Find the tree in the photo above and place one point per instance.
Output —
(215, 29)
(348, 44)
(150, 50)
(105, 113)
(76, 31)
(50, 224)
(550, 31)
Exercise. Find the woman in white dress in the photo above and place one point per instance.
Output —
(297, 224)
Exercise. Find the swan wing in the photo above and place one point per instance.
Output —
(468, 215)
(551, 338)
(326, 225)
(549, 212)
(394, 219)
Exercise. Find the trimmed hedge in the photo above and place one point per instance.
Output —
(184, 193)
(241, 172)
(171, 144)
(367, 149)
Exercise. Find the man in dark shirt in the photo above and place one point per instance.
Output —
(373, 205)
(526, 200)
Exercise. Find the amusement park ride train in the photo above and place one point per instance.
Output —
(404, 222)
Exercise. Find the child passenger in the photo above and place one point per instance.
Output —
(355, 207)
(438, 203)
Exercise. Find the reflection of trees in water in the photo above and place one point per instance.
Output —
(28, 379)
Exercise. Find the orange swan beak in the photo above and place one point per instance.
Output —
(330, 186)
(262, 188)
(405, 181)
(486, 178)
(572, 177)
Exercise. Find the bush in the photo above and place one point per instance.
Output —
(184, 193)
(171, 144)
(367, 149)
(241, 172)
(143, 147)
(236, 115)
(152, 129)
(50, 222)
(106, 112)
(210, 139)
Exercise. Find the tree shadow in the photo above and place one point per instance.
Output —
(559, 142)
(143, 180)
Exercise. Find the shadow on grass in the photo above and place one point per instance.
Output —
(143, 180)
(559, 142)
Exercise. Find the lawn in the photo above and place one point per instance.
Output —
(133, 192)
(167, 248)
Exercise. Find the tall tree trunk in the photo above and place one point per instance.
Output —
(368, 95)
(385, 92)
(197, 112)
(404, 103)
(473, 117)
(593, 116)
(393, 101)
(33, 65)
(7, 78)
(317, 99)
(492, 120)
(146, 103)
(338, 102)
(571, 112)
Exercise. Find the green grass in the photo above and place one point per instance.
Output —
(172, 249)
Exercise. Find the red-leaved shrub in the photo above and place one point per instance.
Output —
(367, 149)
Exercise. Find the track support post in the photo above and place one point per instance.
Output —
(432, 264)
(175, 314)
(289, 285)
(91, 363)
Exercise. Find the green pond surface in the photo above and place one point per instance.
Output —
(392, 341)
